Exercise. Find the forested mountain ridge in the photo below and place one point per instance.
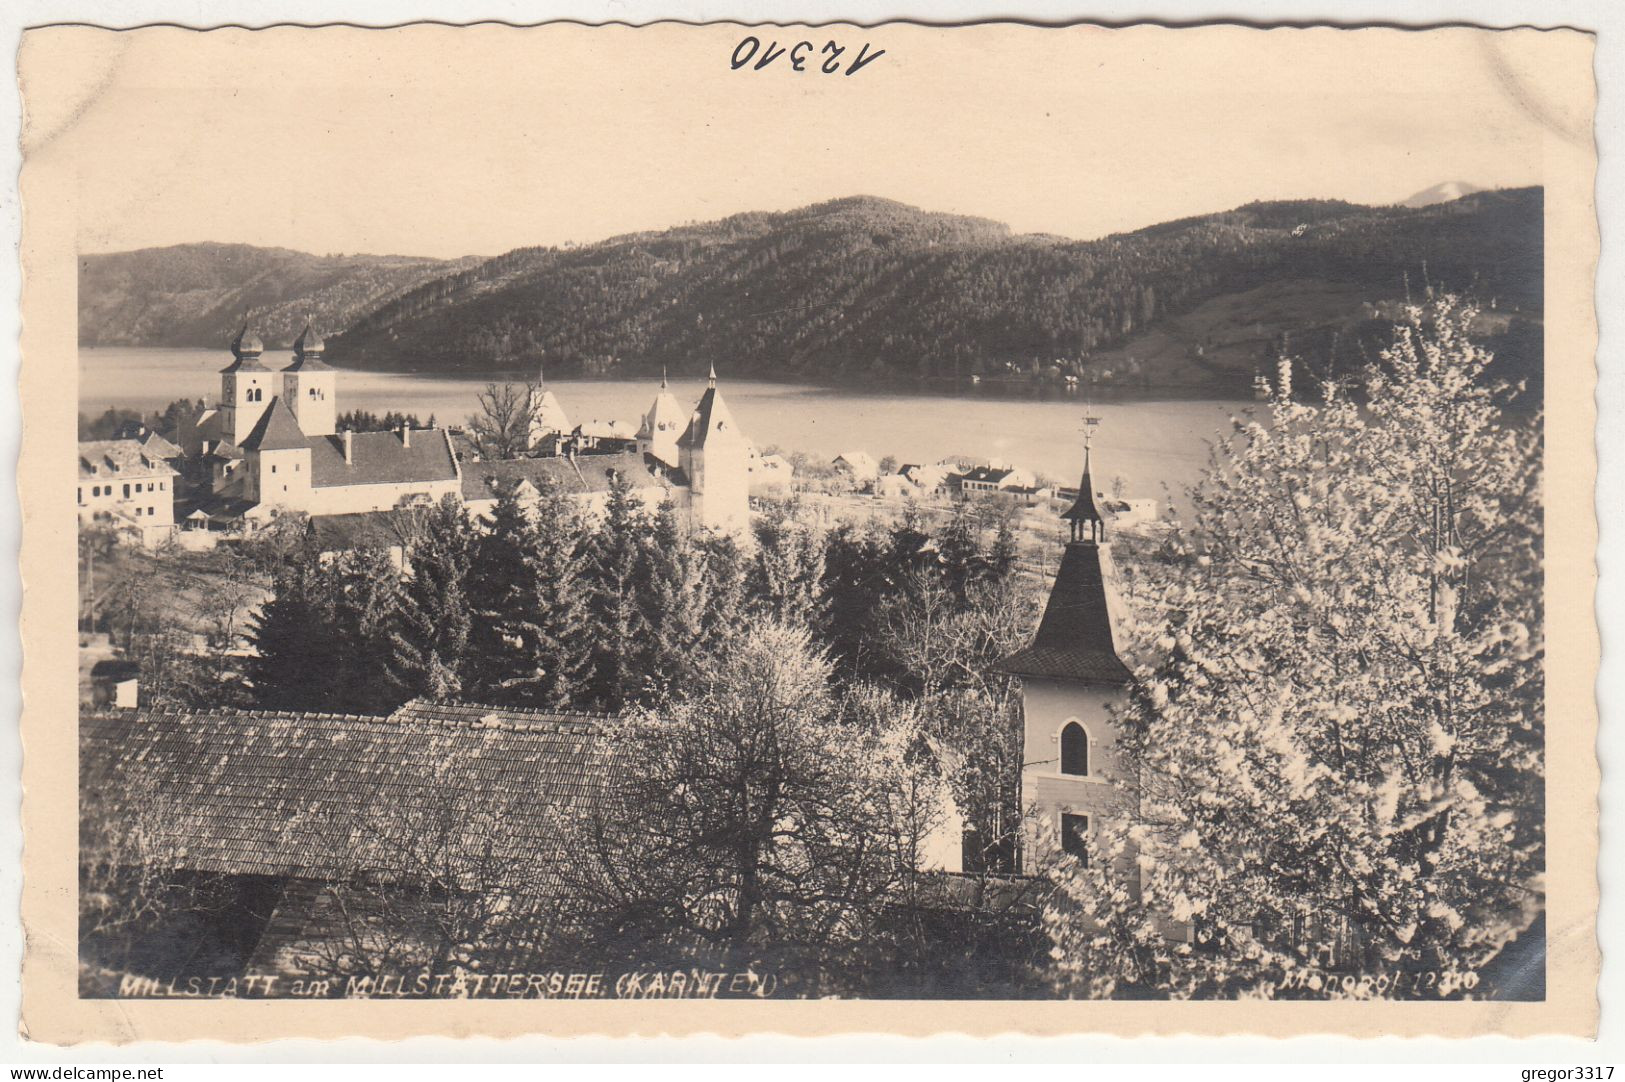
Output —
(197, 294)
(864, 289)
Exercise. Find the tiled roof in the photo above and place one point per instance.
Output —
(381, 458)
(1074, 640)
(314, 795)
(119, 458)
(575, 476)
(276, 430)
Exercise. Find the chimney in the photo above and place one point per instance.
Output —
(349, 454)
(406, 435)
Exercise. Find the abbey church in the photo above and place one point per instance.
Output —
(273, 445)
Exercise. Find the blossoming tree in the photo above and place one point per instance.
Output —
(1339, 734)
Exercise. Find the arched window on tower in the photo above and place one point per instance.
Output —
(1074, 749)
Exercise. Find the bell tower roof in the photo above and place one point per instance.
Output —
(1085, 508)
(1088, 522)
(711, 418)
(307, 351)
(1075, 640)
(246, 348)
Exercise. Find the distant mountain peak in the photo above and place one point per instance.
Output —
(1441, 193)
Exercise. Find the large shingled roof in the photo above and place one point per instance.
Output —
(574, 476)
(1074, 640)
(313, 795)
(382, 458)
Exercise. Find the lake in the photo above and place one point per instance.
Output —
(1148, 441)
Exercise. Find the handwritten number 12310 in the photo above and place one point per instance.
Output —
(802, 55)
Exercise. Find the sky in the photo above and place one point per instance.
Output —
(441, 142)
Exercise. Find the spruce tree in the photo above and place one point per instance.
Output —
(366, 608)
(525, 592)
(431, 637)
(292, 634)
(618, 627)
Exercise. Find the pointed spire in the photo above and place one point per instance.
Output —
(712, 379)
(662, 377)
(1085, 513)
(541, 373)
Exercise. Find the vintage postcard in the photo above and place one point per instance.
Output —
(808, 529)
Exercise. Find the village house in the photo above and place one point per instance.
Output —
(981, 480)
(129, 485)
(860, 466)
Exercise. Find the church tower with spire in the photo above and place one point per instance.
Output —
(715, 456)
(547, 417)
(310, 386)
(245, 387)
(1072, 778)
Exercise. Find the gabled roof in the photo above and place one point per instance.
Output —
(381, 458)
(276, 430)
(316, 795)
(1074, 640)
(157, 446)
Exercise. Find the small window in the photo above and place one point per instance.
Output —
(296, 467)
(273, 467)
(81, 493)
(163, 486)
(138, 511)
(1074, 749)
(152, 510)
(126, 491)
(1075, 836)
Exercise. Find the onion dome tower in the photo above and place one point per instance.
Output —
(245, 387)
(310, 385)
